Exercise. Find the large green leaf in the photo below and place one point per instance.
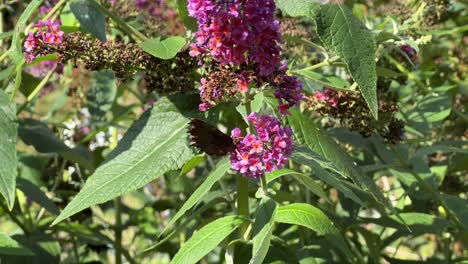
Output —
(206, 239)
(101, 94)
(155, 144)
(310, 135)
(164, 49)
(296, 8)
(9, 246)
(262, 230)
(37, 134)
(346, 35)
(313, 218)
(90, 18)
(222, 167)
(8, 158)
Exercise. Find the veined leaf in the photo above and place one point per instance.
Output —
(206, 239)
(155, 144)
(310, 135)
(36, 195)
(222, 167)
(9, 246)
(296, 8)
(262, 230)
(313, 218)
(8, 132)
(346, 35)
(90, 18)
(164, 49)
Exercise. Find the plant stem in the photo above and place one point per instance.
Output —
(118, 231)
(319, 65)
(122, 24)
(36, 90)
(243, 203)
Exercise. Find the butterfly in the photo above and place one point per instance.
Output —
(209, 139)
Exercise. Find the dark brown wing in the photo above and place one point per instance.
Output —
(209, 139)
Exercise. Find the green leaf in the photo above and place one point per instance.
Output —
(221, 168)
(191, 164)
(37, 134)
(458, 206)
(155, 144)
(36, 195)
(343, 33)
(310, 135)
(9, 246)
(313, 218)
(28, 83)
(297, 8)
(431, 109)
(8, 132)
(305, 156)
(90, 18)
(102, 94)
(262, 230)
(4, 35)
(329, 81)
(189, 22)
(301, 178)
(206, 239)
(165, 49)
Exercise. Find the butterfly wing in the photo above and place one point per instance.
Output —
(209, 139)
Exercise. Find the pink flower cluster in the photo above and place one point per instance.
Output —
(265, 152)
(48, 34)
(328, 96)
(237, 32)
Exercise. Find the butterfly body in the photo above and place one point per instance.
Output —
(209, 139)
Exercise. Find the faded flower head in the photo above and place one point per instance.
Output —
(264, 152)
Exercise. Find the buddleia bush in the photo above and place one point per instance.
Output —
(241, 131)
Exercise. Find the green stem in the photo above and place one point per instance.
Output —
(36, 90)
(243, 203)
(122, 24)
(118, 231)
(321, 64)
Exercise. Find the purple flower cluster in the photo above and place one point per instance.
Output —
(237, 32)
(264, 152)
(48, 34)
(245, 32)
(289, 92)
(410, 51)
